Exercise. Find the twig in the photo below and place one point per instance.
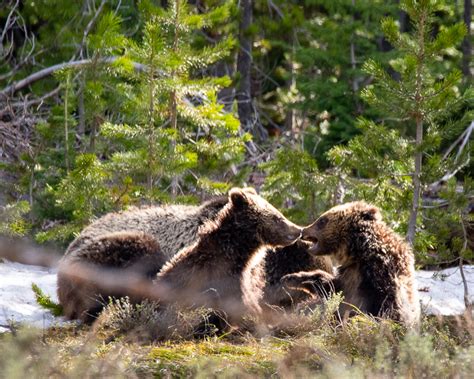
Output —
(459, 139)
(89, 27)
(38, 100)
(8, 23)
(271, 5)
(464, 137)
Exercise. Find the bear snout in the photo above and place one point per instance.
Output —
(308, 234)
(294, 233)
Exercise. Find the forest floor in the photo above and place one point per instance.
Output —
(49, 347)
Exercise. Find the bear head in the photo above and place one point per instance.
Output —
(340, 226)
(267, 222)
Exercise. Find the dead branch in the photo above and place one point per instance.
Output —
(20, 56)
(29, 103)
(89, 27)
(10, 20)
(463, 139)
(57, 67)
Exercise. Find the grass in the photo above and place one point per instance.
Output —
(315, 346)
(141, 341)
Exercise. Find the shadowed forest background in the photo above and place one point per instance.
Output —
(108, 104)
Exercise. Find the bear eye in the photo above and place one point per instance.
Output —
(322, 221)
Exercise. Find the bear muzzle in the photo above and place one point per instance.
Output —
(308, 235)
(294, 234)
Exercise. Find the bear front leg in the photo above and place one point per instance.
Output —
(317, 282)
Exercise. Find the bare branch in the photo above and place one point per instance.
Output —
(271, 5)
(51, 70)
(89, 27)
(466, 138)
(463, 138)
(9, 21)
(38, 100)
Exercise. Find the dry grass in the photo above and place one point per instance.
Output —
(146, 341)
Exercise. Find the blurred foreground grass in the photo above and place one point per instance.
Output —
(316, 347)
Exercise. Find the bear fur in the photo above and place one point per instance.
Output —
(174, 226)
(209, 272)
(376, 273)
(262, 277)
(82, 290)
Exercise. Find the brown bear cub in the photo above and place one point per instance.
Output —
(82, 286)
(376, 272)
(208, 273)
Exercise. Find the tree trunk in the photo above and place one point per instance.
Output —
(419, 119)
(355, 79)
(81, 125)
(244, 65)
(174, 106)
(94, 131)
(174, 125)
(466, 44)
(416, 182)
(66, 127)
(226, 95)
(290, 119)
(151, 136)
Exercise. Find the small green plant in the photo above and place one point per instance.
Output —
(178, 137)
(12, 221)
(45, 301)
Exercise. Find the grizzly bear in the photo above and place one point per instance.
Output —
(208, 273)
(376, 272)
(129, 253)
(175, 227)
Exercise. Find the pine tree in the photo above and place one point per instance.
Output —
(419, 96)
(180, 131)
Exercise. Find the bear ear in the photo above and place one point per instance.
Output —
(371, 214)
(238, 197)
